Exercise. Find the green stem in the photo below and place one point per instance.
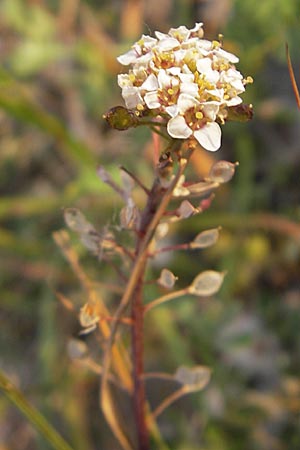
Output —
(32, 414)
(165, 298)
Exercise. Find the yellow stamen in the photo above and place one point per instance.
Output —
(199, 115)
(216, 44)
(248, 80)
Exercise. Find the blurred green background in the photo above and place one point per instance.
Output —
(57, 77)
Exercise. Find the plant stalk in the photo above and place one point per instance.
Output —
(139, 396)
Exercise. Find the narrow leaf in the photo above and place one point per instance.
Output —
(33, 415)
(76, 221)
(111, 415)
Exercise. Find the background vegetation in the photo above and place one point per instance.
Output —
(57, 77)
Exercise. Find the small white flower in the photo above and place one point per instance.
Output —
(204, 66)
(132, 96)
(164, 91)
(140, 48)
(193, 118)
(181, 75)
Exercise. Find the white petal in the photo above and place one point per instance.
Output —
(168, 44)
(204, 45)
(131, 96)
(182, 31)
(165, 80)
(173, 71)
(234, 101)
(186, 77)
(229, 56)
(189, 88)
(124, 80)
(128, 58)
(238, 86)
(185, 69)
(209, 136)
(230, 76)
(210, 110)
(186, 102)
(172, 110)
(151, 83)
(204, 67)
(218, 94)
(148, 41)
(177, 128)
(198, 26)
(179, 55)
(151, 100)
(160, 35)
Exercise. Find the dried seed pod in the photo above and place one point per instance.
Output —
(206, 283)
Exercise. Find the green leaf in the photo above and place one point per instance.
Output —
(33, 415)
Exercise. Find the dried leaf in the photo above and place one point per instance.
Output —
(240, 113)
(206, 283)
(221, 172)
(76, 221)
(88, 318)
(129, 216)
(205, 238)
(91, 241)
(193, 379)
(167, 279)
(111, 415)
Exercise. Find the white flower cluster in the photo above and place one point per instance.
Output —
(185, 79)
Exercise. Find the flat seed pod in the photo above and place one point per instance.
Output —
(186, 209)
(167, 279)
(206, 283)
(77, 349)
(221, 172)
(205, 238)
(161, 230)
(193, 379)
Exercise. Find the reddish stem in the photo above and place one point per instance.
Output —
(139, 398)
(137, 315)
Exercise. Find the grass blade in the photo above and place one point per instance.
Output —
(33, 415)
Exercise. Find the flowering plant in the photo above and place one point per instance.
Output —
(188, 81)
(183, 87)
